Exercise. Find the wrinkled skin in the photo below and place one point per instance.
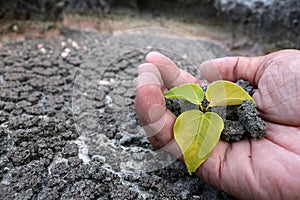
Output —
(248, 169)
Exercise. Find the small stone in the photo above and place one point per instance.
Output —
(126, 139)
(138, 156)
(119, 90)
(70, 150)
(64, 54)
(98, 158)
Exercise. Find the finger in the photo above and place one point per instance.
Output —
(172, 147)
(161, 129)
(149, 67)
(233, 69)
(150, 103)
(151, 110)
(171, 75)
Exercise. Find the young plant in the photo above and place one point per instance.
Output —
(197, 131)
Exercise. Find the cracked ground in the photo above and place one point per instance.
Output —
(68, 129)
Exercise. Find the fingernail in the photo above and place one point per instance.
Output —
(206, 64)
(146, 67)
(208, 70)
(151, 54)
(149, 67)
(146, 78)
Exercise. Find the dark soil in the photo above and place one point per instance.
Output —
(68, 128)
(251, 122)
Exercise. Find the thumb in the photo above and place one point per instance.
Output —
(233, 69)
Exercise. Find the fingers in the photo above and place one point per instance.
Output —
(171, 75)
(150, 106)
(148, 67)
(233, 69)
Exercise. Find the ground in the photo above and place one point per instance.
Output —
(67, 123)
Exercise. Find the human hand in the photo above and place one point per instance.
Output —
(248, 169)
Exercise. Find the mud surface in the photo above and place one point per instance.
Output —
(67, 124)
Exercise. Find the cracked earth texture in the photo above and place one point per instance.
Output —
(67, 124)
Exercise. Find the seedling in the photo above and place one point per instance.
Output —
(198, 131)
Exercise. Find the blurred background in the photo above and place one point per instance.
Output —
(256, 26)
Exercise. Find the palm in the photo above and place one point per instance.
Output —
(257, 169)
(272, 160)
(246, 169)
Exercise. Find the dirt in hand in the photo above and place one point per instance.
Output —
(239, 121)
(251, 122)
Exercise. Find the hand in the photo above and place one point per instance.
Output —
(248, 169)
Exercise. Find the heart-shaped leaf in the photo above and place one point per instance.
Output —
(221, 93)
(190, 92)
(197, 134)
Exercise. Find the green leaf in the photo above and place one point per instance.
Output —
(190, 92)
(221, 93)
(197, 134)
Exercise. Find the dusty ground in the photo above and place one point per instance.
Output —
(226, 36)
(67, 124)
